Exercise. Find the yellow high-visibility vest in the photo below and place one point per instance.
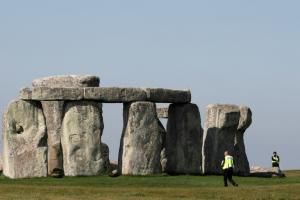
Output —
(228, 162)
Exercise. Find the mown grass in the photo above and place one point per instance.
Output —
(153, 187)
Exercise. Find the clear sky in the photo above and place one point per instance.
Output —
(240, 52)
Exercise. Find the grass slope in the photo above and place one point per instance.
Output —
(154, 187)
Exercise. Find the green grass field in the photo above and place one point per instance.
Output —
(154, 187)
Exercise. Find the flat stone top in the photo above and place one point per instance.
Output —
(235, 114)
(67, 81)
(106, 94)
(224, 107)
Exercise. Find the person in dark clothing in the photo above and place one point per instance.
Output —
(275, 159)
(227, 166)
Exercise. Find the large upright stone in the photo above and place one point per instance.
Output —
(141, 141)
(81, 139)
(24, 140)
(241, 161)
(184, 139)
(219, 135)
(1, 164)
(53, 111)
(105, 157)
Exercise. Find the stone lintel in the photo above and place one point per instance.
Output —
(106, 94)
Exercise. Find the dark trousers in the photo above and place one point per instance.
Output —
(228, 176)
(275, 164)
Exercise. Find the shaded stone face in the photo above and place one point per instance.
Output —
(184, 140)
(81, 139)
(24, 140)
(242, 164)
(224, 130)
(142, 140)
(219, 135)
(105, 157)
(245, 119)
(1, 164)
(53, 111)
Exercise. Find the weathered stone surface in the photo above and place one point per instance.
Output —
(241, 160)
(53, 110)
(53, 94)
(25, 93)
(219, 135)
(245, 119)
(106, 95)
(184, 139)
(24, 140)
(268, 172)
(115, 94)
(67, 81)
(161, 95)
(81, 139)
(141, 141)
(105, 157)
(126, 95)
(163, 160)
(163, 156)
(1, 164)
(162, 112)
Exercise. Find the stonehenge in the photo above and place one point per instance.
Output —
(224, 129)
(141, 141)
(54, 112)
(55, 129)
(81, 133)
(106, 95)
(184, 139)
(24, 140)
(241, 160)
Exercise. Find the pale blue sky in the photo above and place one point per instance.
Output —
(241, 52)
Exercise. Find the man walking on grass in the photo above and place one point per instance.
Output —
(275, 160)
(227, 166)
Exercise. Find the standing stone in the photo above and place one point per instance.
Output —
(53, 111)
(219, 135)
(163, 156)
(142, 140)
(184, 139)
(81, 139)
(241, 161)
(24, 140)
(1, 164)
(105, 157)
